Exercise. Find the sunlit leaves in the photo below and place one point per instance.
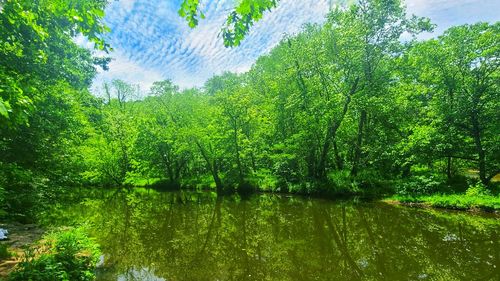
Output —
(36, 45)
(4, 108)
(460, 71)
(238, 22)
(190, 11)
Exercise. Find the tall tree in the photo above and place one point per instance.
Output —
(460, 70)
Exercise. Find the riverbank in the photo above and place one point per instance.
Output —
(463, 202)
(476, 198)
(64, 253)
(19, 237)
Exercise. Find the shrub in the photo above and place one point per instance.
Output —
(21, 192)
(64, 255)
(454, 201)
(478, 189)
(340, 179)
(419, 185)
(4, 252)
(263, 179)
(3, 212)
(340, 183)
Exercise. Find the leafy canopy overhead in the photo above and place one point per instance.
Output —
(238, 22)
(37, 50)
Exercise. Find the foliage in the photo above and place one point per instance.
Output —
(63, 255)
(459, 73)
(44, 51)
(4, 252)
(3, 198)
(341, 182)
(44, 96)
(238, 22)
(326, 111)
(22, 192)
(342, 107)
(487, 203)
(477, 189)
(419, 185)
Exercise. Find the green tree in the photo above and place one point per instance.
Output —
(459, 74)
(37, 49)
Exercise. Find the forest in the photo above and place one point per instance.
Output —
(357, 106)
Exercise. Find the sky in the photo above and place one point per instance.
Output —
(152, 43)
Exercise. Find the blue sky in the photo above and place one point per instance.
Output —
(151, 42)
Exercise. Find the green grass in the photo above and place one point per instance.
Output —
(487, 203)
(63, 255)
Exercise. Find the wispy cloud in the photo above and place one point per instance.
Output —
(152, 42)
(447, 13)
(121, 67)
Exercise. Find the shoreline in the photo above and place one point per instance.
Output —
(20, 236)
(423, 204)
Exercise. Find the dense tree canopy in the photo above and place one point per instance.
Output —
(44, 82)
(346, 101)
(356, 104)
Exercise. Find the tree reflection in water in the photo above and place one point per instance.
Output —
(149, 235)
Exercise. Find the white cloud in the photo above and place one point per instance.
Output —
(123, 68)
(152, 42)
(150, 37)
(83, 42)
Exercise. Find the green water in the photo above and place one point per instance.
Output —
(147, 235)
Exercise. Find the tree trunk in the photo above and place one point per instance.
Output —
(311, 168)
(180, 167)
(476, 134)
(338, 160)
(213, 168)
(359, 143)
(448, 167)
(237, 150)
(218, 183)
(332, 131)
(300, 81)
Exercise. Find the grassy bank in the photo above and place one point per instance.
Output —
(67, 254)
(459, 193)
(487, 203)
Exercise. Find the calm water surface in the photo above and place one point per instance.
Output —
(148, 235)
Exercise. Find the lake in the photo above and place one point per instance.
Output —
(149, 235)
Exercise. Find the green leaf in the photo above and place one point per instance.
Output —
(4, 108)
